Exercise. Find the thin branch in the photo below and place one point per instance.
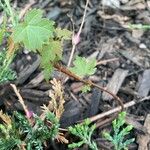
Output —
(88, 82)
(78, 35)
(71, 55)
(101, 62)
(116, 109)
(10, 12)
(83, 20)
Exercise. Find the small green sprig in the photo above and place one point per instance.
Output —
(83, 67)
(6, 73)
(40, 132)
(84, 132)
(6, 6)
(18, 131)
(139, 26)
(119, 133)
(9, 134)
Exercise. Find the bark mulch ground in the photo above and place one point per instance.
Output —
(124, 66)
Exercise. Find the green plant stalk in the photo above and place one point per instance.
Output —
(91, 145)
(117, 147)
(3, 7)
(139, 26)
(6, 65)
(11, 13)
(117, 139)
(87, 140)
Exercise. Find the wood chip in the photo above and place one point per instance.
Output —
(54, 13)
(144, 86)
(27, 71)
(115, 83)
(144, 140)
(36, 81)
(136, 124)
(148, 4)
(111, 3)
(93, 108)
(137, 33)
(133, 56)
(76, 87)
(37, 96)
(72, 113)
(107, 45)
(134, 5)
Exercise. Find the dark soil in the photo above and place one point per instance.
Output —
(104, 36)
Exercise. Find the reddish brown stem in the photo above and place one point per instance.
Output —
(88, 82)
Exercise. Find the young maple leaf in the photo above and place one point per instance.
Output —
(34, 31)
(83, 67)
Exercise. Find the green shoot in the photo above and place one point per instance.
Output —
(83, 67)
(6, 74)
(139, 26)
(119, 133)
(84, 132)
(34, 31)
(17, 132)
(3, 30)
(63, 33)
(8, 10)
(39, 35)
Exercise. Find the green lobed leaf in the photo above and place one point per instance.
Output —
(49, 54)
(47, 71)
(83, 67)
(63, 33)
(34, 31)
(51, 51)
